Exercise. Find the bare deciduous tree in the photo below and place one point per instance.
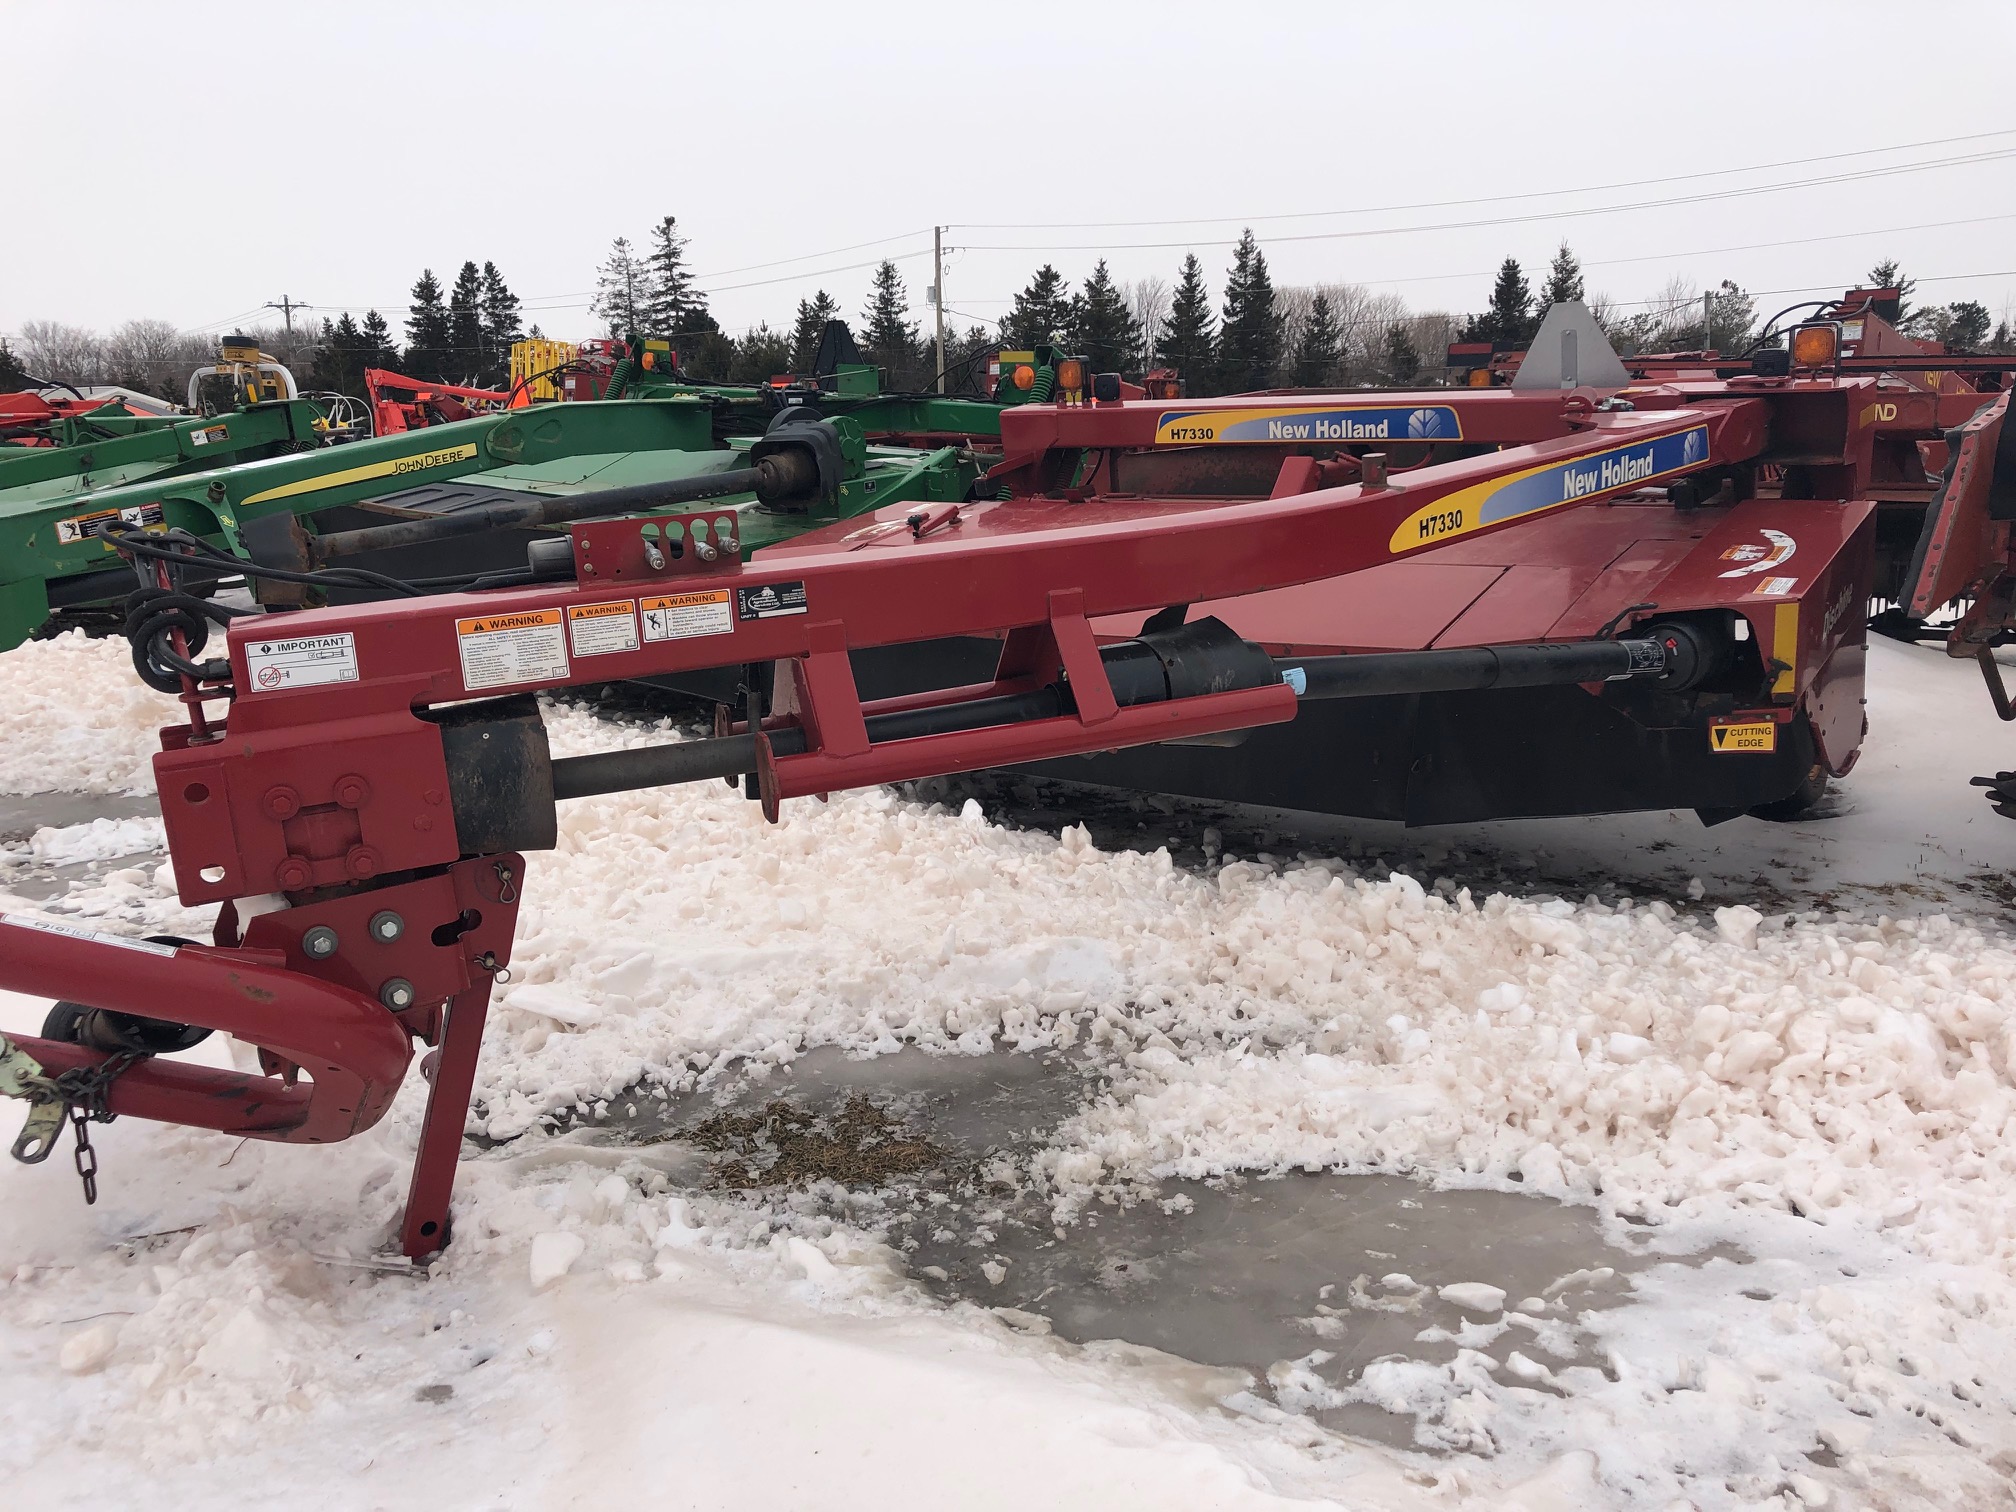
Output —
(1148, 302)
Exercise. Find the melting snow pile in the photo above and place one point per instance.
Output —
(77, 719)
(1831, 1091)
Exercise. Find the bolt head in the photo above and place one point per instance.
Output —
(319, 943)
(293, 874)
(387, 926)
(282, 802)
(397, 994)
(352, 791)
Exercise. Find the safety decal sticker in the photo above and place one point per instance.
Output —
(1731, 739)
(1550, 486)
(1780, 587)
(92, 526)
(602, 629)
(682, 616)
(97, 937)
(500, 649)
(771, 601)
(302, 661)
(1775, 550)
(203, 435)
(1389, 422)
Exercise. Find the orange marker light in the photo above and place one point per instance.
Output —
(1025, 377)
(1070, 374)
(1815, 346)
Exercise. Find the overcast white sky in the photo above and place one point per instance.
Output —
(190, 161)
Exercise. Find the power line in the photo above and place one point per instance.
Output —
(1513, 220)
(1488, 199)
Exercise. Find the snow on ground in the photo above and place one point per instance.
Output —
(78, 719)
(1826, 1086)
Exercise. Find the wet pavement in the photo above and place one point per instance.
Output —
(20, 817)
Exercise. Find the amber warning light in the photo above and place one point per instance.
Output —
(1815, 346)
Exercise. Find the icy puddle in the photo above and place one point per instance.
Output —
(1292, 1283)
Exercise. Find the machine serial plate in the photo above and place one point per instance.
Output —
(72, 932)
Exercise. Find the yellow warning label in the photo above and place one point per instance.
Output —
(680, 616)
(1761, 736)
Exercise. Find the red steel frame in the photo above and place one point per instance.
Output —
(337, 795)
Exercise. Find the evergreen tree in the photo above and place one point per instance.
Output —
(623, 291)
(1731, 314)
(1041, 313)
(1966, 326)
(889, 339)
(1104, 331)
(761, 354)
(500, 328)
(1188, 341)
(813, 314)
(339, 358)
(676, 308)
(1250, 336)
(1888, 275)
(12, 376)
(1319, 347)
(376, 345)
(1510, 316)
(465, 325)
(1402, 359)
(427, 339)
(1564, 281)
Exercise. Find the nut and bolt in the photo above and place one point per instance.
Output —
(319, 943)
(397, 994)
(386, 926)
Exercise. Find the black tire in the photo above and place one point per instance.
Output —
(102, 1029)
(1800, 802)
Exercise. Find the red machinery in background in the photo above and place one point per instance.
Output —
(399, 403)
(1580, 588)
(27, 415)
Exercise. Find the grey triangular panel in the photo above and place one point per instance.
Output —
(1569, 351)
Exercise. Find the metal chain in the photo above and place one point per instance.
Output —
(84, 1098)
(86, 1157)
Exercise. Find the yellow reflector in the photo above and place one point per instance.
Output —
(1071, 374)
(1815, 345)
(1025, 377)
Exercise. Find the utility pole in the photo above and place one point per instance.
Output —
(938, 296)
(286, 307)
(1707, 319)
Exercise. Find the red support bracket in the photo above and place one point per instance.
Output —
(1090, 687)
